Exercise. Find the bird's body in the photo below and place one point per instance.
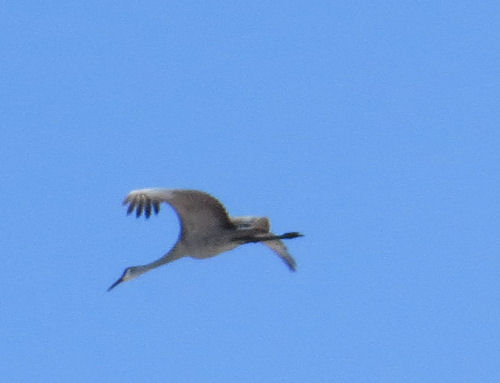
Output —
(206, 228)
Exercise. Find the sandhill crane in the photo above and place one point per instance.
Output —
(206, 228)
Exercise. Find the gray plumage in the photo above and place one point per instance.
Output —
(206, 228)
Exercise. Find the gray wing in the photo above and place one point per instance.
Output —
(259, 223)
(199, 212)
(280, 249)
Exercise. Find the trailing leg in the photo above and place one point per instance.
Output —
(268, 237)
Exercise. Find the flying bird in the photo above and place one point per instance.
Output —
(206, 228)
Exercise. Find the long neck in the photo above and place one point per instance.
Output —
(171, 256)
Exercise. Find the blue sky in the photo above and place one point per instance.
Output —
(371, 128)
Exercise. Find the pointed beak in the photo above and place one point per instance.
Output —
(116, 283)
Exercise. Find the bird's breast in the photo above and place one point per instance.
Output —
(210, 247)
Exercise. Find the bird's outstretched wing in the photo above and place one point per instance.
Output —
(200, 213)
(280, 249)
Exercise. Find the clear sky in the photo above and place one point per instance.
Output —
(374, 129)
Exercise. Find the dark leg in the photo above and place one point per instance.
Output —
(265, 237)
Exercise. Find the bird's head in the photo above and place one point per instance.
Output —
(128, 274)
